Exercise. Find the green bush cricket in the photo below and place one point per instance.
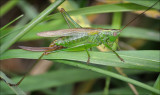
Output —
(78, 39)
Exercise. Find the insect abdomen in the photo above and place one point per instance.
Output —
(70, 40)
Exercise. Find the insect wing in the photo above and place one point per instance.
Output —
(69, 32)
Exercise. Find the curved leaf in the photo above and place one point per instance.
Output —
(144, 59)
(105, 8)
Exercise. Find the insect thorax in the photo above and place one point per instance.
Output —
(109, 34)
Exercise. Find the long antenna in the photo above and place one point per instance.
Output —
(139, 15)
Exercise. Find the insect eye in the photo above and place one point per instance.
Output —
(114, 33)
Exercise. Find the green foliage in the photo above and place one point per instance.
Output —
(136, 61)
(8, 81)
(147, 3)
(16, 36)
(144, 60)
(10, 22)
(105, 8)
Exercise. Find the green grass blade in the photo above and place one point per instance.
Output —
(116, 24)
(107, 83)
(146, 3)
(29, 12)
(105, 8)
(2, 34)
(114, 75)
(10, 23)
(28, 9)
(11, 39)
(132, 32)
(5, 8)
(54, 79)
(122, 91)
(117, 20)
(65, 90)
(157, 84)
(142, 59)
(60, 77)
(16, 89)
